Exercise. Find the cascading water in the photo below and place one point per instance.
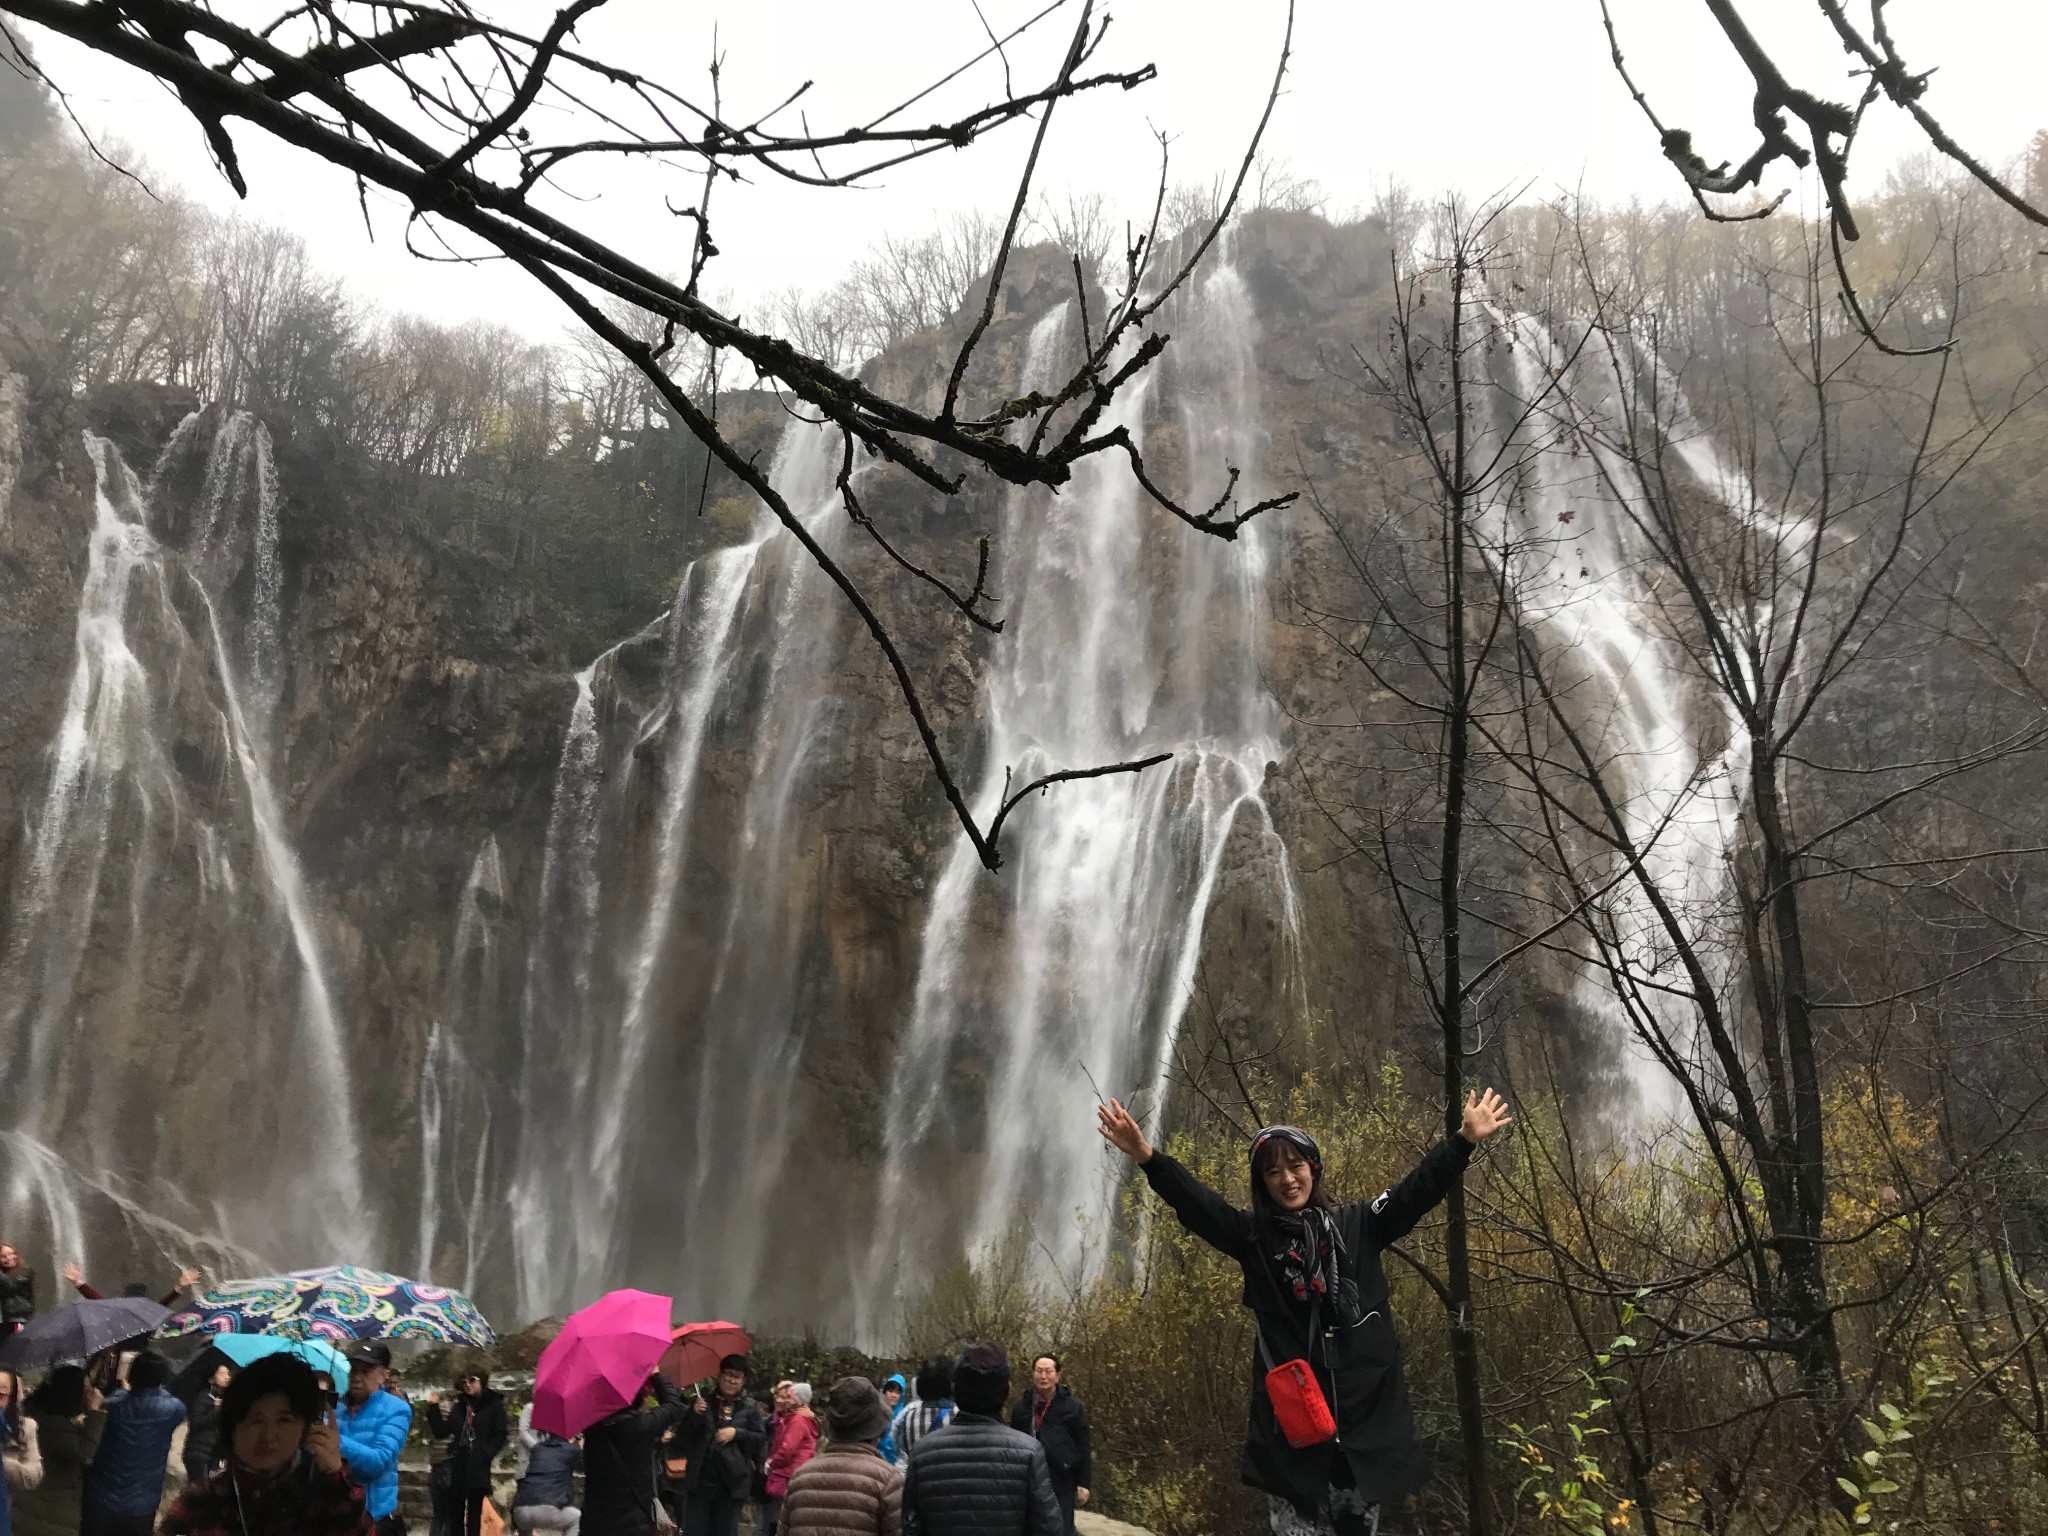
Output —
(1069, 973)
(671, 995)
(622, 845)
(458, 1171)
(1574, 535)
(159, 849)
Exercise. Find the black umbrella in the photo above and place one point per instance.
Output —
(82, 1330)
(193, 1375)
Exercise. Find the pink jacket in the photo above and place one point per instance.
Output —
(792, 1441)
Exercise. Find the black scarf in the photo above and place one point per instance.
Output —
(1311, 1249)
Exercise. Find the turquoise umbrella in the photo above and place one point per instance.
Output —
(244, 1347)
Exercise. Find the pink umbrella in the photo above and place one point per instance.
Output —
(599, 1361)
(698, 1348)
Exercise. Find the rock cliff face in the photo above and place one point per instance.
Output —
(539, 907)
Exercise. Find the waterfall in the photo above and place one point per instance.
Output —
(237, 522)
(622, 845)
(673, 989)
(1068, 974)
(457, 1097)
(159, 849)
(1572, 533)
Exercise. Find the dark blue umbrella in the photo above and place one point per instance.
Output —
(338, 1303)
(82, 1330)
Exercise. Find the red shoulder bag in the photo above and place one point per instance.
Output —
(1297, 1397)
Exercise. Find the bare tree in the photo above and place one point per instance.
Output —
(1770, 579)
(456, 115)
(1815, 126)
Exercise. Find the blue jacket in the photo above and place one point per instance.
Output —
(887, 1447)
(127, 1473)
(371, 1438)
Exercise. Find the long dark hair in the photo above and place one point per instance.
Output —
(62, 1394)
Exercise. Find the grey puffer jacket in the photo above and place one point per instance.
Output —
(976, 1476)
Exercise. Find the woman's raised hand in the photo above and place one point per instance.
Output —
(1485, 1113)
(1115, 1125)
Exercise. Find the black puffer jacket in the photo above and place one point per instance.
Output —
(976, 1476)
(202, 1428)
(18, 1296)
(1359, 1367)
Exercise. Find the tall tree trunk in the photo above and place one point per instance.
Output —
(1802, 1291)
(1450, 896)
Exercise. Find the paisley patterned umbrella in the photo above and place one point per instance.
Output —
(339, 1302)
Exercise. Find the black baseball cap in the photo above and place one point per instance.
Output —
(368, 1352)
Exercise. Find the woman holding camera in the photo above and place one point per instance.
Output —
(283, 1474)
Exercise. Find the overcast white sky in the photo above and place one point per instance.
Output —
(1468, 94)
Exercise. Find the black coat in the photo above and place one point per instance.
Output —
(18, 1296)
(618, 1462)
(478, 1429)
(1064, 1434)
(202, 1428)
(1375, 1425)
(728, 1469)
(975, 1476)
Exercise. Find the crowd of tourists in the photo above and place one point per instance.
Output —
(273, 1450)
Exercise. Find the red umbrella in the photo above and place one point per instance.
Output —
(599, 1361)
(698, 1347)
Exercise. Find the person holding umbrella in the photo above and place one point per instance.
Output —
(618, 1459)
(373, 1426)
(283, 1472)
(722, 1474)
(126, 1481)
